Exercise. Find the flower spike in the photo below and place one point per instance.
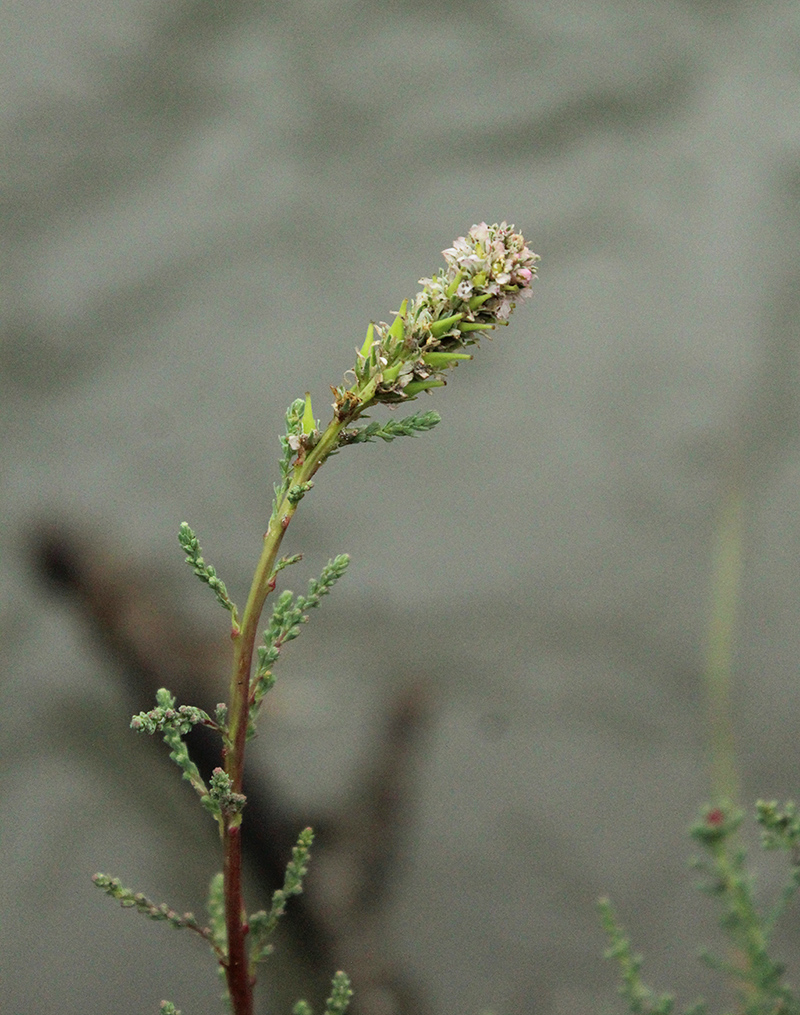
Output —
(487, 272)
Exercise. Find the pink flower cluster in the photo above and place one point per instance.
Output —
(492, 262)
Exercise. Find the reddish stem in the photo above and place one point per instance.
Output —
(240, 984)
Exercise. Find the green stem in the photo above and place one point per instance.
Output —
(240, 982)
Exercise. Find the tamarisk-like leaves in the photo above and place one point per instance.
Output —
(757, 978)
(167, 717)
(262, 924)
(290, 443)
(221, 799)
(205, 572)
(289, 613)
(410, 426)
(780, 827)
(337, 1003)
(155, 911)
(216, 912)
(341, 992)
(174, 724)
(641, 999)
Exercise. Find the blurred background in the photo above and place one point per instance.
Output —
(204, 204)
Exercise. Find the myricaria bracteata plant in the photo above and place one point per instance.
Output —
(486, 272)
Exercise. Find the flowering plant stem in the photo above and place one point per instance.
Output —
(487, 271)
(240, 980)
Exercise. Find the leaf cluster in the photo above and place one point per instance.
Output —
(174, 724)
(289, 614)
(641, 999)
(337, 1003)
(410, 426)
(155, 911)
(262, 924)
(289, 447)
(205, 572)
(780, 827)
(757, 978)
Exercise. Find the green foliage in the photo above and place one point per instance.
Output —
(290, 443)
(263, 924)
(155, 911)
(756, 977)
(339, 1001)
(781, 827)
(287, 616)
(296, 493)
(175, 724)
(216, 912)
(221, 799)
(641, 999)
(165, 717)
(487, 271)
(205, 572)
(410, 426)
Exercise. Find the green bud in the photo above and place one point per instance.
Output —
(442, 360)
(450, 290)
(439, 328)
(296, 493)
(470, 326)
(415, 387)
(309, 424)
(396, 330)
(365, 348)
(478, 301)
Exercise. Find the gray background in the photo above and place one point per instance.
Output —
(204, 204)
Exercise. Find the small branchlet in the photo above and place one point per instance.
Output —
(641, 999)
(205, 572)
(781, 830)
(757, 978)
(341, 992)
(263, 924)
(296, 493)
(179, 720)
(216, 913)
(221, 801)
(155, 911)
(287, 562)
(289, 445)
(337, 1003)
(780, 827)
(388, 431)
(174, 724)
(289, 613)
